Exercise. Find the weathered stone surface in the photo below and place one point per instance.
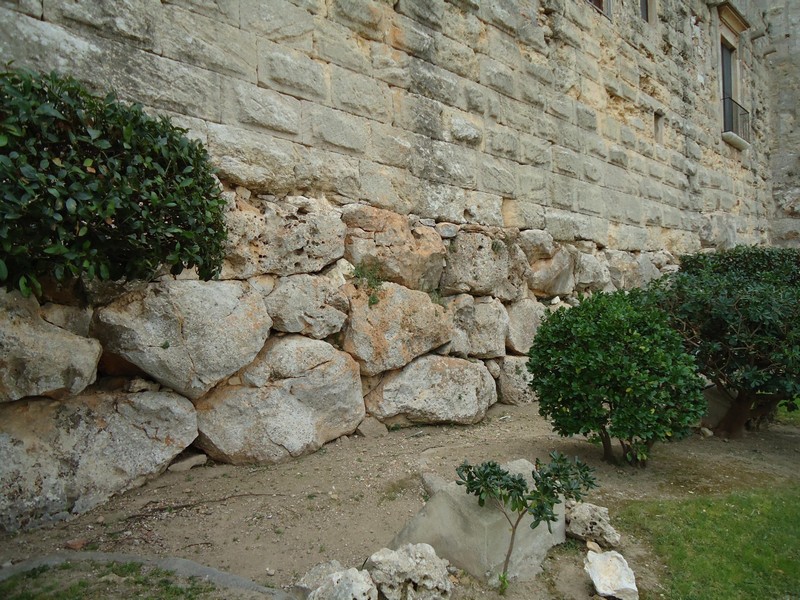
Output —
(71, 318)
(486, 262)
(536, 244)
(59, 458)
(38, 358)
(252, 159)
(628, 270)
(370, 427)
(392, 325)
(513, 383)
(611, 575)
(188, 335)
(316, 577)
(481, 326)
(591, 274)
(589, 522)
(475, 538)
(412, 257)
(298, 394)
(309, 305)
(524, 318)
(553, 276)
(433, 389)
(351, 584)
(411, 572)
(295, 235)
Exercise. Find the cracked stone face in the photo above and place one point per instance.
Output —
(187, 335)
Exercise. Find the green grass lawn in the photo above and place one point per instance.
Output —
(742, 546)
(788, 418)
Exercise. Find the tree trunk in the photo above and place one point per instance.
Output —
(733, 423)
(608, 450)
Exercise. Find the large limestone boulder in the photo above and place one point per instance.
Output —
(298, 394)
(537, 244)
(524, 318)
(351, 584)
(293, 235)
(433, 389)
(475, 538)
(38, 358)
(513, 383)
(553, 276)
(188, 335)
(392, 325)
(412, 572)
(589, 522)
(59, 458)
(591, 274)
(630, 271)
(310, 305)
(485, 262)
(410, 256)
(611, 575)
(481, 326)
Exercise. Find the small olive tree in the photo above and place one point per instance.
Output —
(91, 187)
(738, 312)
(509, 493)
(612, 367)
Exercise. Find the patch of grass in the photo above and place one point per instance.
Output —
(739, 546)
(788, 417)
(80, 580)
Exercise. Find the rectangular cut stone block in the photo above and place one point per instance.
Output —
(290, 72)
(567, 162)
(414, 38)
(134, 21)
(418, 114)
(360, 95)
(339, 45)
(259, 107)
(456, 57)
(504, 48)
(523, 213)
(428, 12)
(226, 11)
(498, 176)
(317, 170)
(445, 163)
(205, 42)
(501, 13)
(365, 17)
(336, 128)
(390, 65)
(28, 7)
(386, 187)
(432, 82)
(252, 159)
(502, 141)
(390, 145)
(278, 21)
(498, 76)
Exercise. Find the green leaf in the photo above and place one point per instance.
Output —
(50, 111)
(3, 270)
(3, 140)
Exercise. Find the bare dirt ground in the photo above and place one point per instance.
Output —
(273, 523)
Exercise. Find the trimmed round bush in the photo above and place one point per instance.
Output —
(91, 187)
(738, 312)
(612, 367)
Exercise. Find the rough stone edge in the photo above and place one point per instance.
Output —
(180, 566)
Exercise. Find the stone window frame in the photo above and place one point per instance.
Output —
(604, 7)
(651, 8)
(731, 26)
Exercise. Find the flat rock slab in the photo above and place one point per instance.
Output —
(475, 538)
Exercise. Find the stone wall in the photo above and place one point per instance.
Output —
(783, 58)
(518, 113)
(411, 187)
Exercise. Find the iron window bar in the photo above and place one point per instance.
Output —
(735, 119)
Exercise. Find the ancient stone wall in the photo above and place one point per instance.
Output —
(783, 56)
(538, 114)
(411, 186)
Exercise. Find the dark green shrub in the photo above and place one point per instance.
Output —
(92, 187)
(738, 312)
(612, 367)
